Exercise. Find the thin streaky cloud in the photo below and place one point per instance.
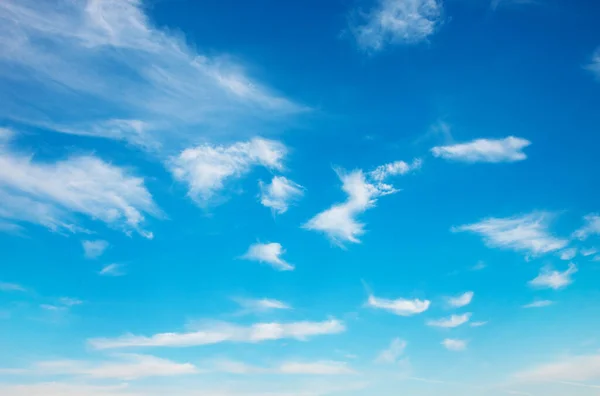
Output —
(570, 369)
(450, 322)
(588, 252)
(509, 149)
(11, 287)
(553, 279)
(461, 300)
(591, 227)
(113, 269)
(399, 306)
(261, 305)
(539, 304)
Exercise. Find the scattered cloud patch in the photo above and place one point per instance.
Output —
(279, 194)
(479, 266)
(450, 322)
(588, 252)
(94, 249)
(261, 305)
(591, 227)
(206, 168)
(568, 254)
(575, 368)
(594, 65)
(51, 193)
(393, 352)
(478, 324)
(113, 269)
(509, 149)
(316, 368)
(552, 279)
(528, 233)
(11, 287)
(397, 22)
(400, 306)
(461, 300)
(454, 344)
(539, 304)
(269, 253)
(382, 172)
(222, 332)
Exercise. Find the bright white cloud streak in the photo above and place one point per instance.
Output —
(450, 322)
(269, 253)
(539, 304)
(528, 233)
(391, 354)
(552, 279)
(261, 304)
(225, 332)
(509, 149)
(397, 22)
(591, 226)
(400, 306)
(460, 300)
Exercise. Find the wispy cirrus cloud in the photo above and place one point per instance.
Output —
(222, 332)
(553, 279)
(456, 345)
(393, 352)
(393, 22)
(591, 227)
(11, 287)
(594, 65)
(113, 269)
(340, 222)
(261, 305)
(322, 367)
(269, 253)
(280, 193)
(94, 249)
(509, 149)
(450, 322)
(568, 254)
(118, 76)
(572, 368)
(399, 306)
(54, 194)
(527, 233)
(461, 300)
(539, 304)
(206, 168)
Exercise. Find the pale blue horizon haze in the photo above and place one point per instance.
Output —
(299, 198)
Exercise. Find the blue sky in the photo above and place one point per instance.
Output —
(306, 198)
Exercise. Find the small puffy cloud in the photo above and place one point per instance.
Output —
(400, 306)
(393, 352)
(460, 300)
(280, 193)
(528, 233)
(261, 305)
(269, 253)
(538, 304)
(509, 149)
(206, 168)
(591, 226)
(450, 322)
(552, 279)
(397, 22)
(94, 249)
(221, 332)
(51, 193)
(382, 172)
(454, 344)
(128, 367)
(568, 254)
(340, 222)
(11, 287)
(574, 368)
(594, 65)
(113, 269)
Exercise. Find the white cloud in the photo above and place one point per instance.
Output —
(279, 194)
(450, 322)
(461, 300)
(479, 266)
(478, 324)
(528, 233)
(116, 75)
(398, 22)
(539, 304)
(50, 194)
(574, 368)
(324, 367)
(568, 254)
(269, 253)
(129, 367)
(261, 305)
(594, 65)
(340, 222)
(11, 287)
(94, 249)
(382, 172)
(400, 306)
(393, 352)
(553, 279)
(588, 252)
(485, 150)
(225, 332)
(454, 344)
(64, 389)
(113, 269)
(206, 168)
(69, 301)
(591, 227)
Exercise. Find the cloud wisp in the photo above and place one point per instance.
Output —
(539, 304)
(461, 300)
(455, 345)
(553, 279)
(392, 353)
(399, 306)
(94, 249)
(509, 149)
(280, 194)
(269, 253)
(450, 322)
